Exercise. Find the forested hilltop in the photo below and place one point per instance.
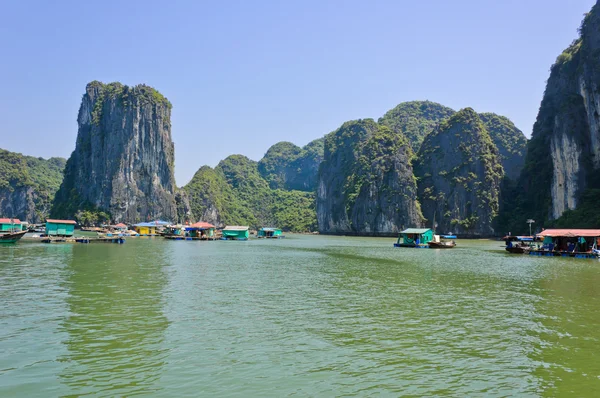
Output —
(28, 185)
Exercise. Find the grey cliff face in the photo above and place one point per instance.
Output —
(568, 123)
(459, 174)
(366, 183)
(20, 203)
(124, 156)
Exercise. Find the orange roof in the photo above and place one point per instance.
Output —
(61, 221)
(8, 221)
(570, 232)
(121, 225)
(202, 224)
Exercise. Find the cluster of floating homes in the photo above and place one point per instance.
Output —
(578, 243)
(11, 230)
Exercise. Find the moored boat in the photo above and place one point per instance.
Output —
(12, 237)
(518, 244)
(442, 242)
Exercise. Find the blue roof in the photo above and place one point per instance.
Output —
(270, 229)
(145, 224)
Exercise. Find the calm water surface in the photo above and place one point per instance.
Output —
(303, 316)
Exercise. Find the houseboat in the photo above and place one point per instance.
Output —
(415, 237)
(269, 233)
(578, 243)
(201, 231)
(235, 232)
(146, 229)
(60, 228)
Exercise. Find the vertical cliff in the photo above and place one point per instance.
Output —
(366, 183)
(563, 155)
(28, 185)
(124, 157)
(459, 173)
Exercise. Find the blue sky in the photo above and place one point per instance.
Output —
(243, 75)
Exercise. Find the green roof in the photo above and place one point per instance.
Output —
(415, 231)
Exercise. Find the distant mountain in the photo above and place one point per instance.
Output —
(287, 166)
(28, 185)
(235, 193)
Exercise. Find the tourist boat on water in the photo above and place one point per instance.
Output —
(269, 233)
(442, 242)
(578, 243)
(518, 244)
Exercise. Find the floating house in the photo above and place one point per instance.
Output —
(271, 233)
(415, 237)
(121, 227)
(201, 230)
(10, 225)
(580, 243)
(235, 232)
(145, 228)
(60, 227)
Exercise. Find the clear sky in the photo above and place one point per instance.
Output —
(243, 75)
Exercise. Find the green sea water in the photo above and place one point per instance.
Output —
(303, 316)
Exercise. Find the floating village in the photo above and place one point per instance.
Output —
(576, 243)
(63, 231)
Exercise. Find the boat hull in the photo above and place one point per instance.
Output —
(442, 245)
(12, 237)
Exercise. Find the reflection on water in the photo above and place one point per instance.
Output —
(305, 316)
(115, 323)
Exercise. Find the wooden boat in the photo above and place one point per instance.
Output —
(441, 242)
(518, 244)
(12, 237)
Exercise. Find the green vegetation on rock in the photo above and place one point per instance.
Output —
(235, 193)
(415, 119)
(460, 173)
(287, 166)
(510, 141)
(366, 183)
(28, 185)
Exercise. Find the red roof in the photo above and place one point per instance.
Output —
(61, 221)
(570, 232)
(202, 224)
(8, 221)
(121, 225)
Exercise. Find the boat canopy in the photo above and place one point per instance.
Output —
(415, 231)
(570, 233)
